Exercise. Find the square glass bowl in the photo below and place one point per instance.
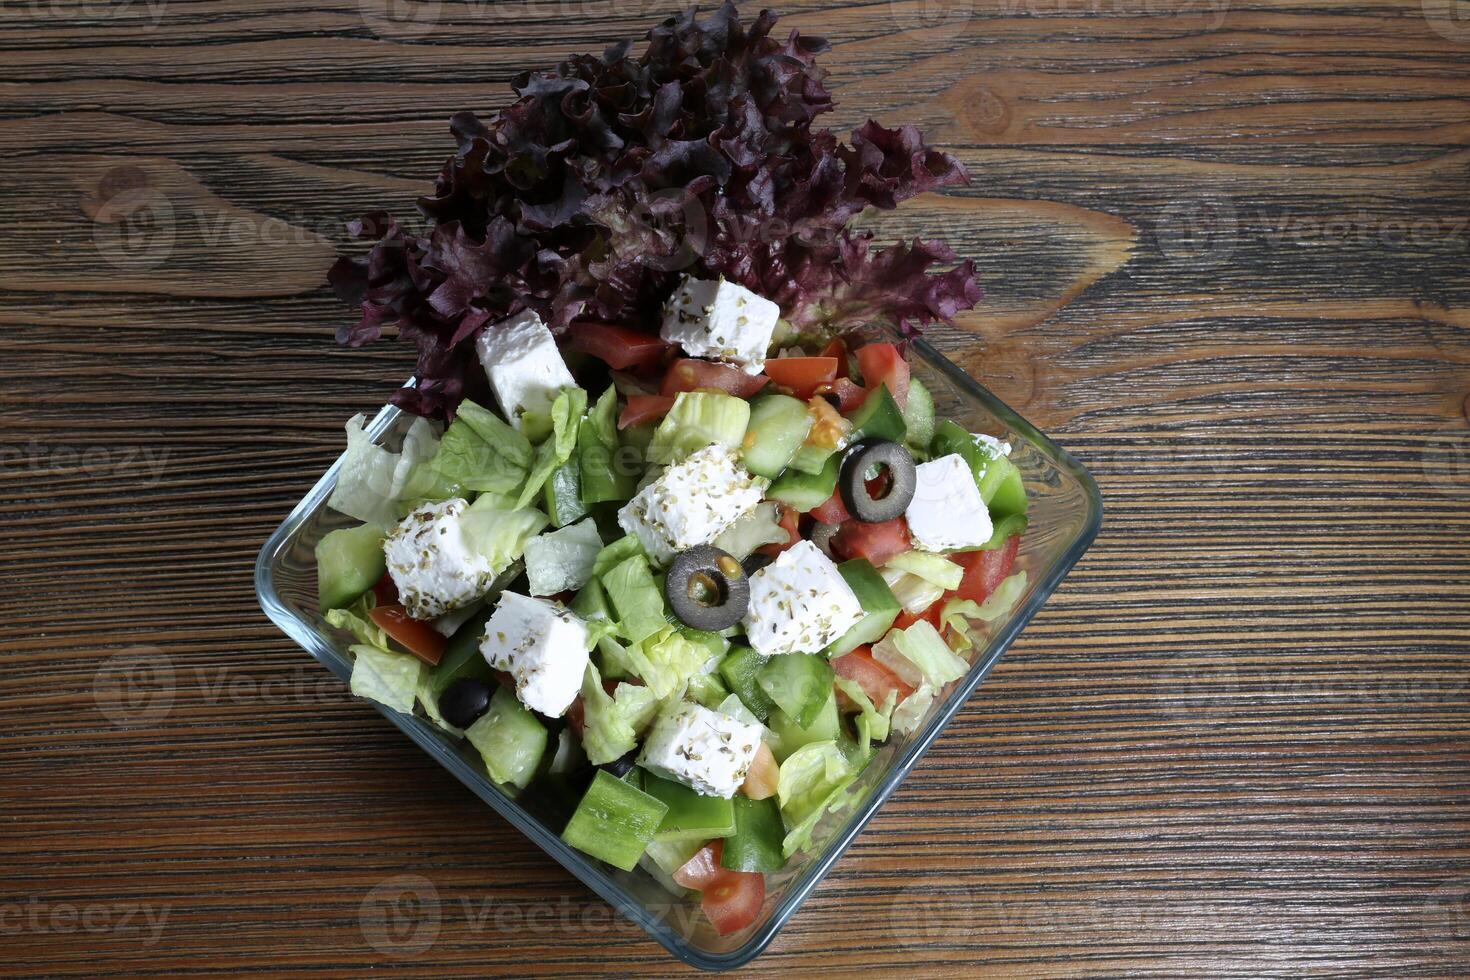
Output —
(1065, 515)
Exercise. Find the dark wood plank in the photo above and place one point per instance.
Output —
(1225, 249)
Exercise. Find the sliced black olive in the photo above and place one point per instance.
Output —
(755, 561)
(707, 589)
(619, 767)
(877, 458)
(464, 702)
(822, 535)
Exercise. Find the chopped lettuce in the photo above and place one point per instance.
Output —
(558, 561)
(499, 531)
(753, 530)
(373, 480)
(735, 708)
(566, 416)
(912, 592)
(616, 553)
(958, 614)
(482, 452)
(355, 621)
(919, 655)
(699, 419)
(636, 599)
(707, 690)
(430, 704)
(814, 780)
(612, 722)
(668, 659)
(934, 569)
(391, 679)
(876, 719)
(911, 710)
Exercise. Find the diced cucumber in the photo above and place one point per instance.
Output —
(799, 683)
(811, 459)
(615, 822)
(739, 669)
(756, 843)
(918, 416)
(879, 417)
(706, 689)
(348, 563)
(803, 491)
(778, 427)
(509, 739)
(563, 494)
(877, 600)
(670, 856)
(789, 736)
(462, 657)
(690, 816)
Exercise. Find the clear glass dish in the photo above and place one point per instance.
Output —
(1065, 511)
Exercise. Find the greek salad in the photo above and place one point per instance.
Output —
(678, 584)
(670, 545)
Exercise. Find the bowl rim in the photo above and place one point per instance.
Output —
(904, 760)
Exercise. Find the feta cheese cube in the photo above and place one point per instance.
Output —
(722, 321)
(431, 562)
(947, 512)
(543, 646)
(523, 364)
(705, 750)
(691, 502)
(799, 603)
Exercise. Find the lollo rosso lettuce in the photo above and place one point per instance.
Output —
(610, 176)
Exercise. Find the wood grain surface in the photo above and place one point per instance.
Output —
(1225, 249)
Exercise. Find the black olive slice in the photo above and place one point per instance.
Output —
(707, 589)
(464, 702)
(883, 458)
(822, 535)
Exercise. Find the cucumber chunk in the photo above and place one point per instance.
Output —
(799, 683)
(778, 427)
(789, 736)
(509, 739)
(803, 491)
(877, 600)
(879, 417)
(349, 561)
(918, 415)
(615, 822)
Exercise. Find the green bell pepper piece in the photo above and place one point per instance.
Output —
(690, 816)
(739, 670)
(756, 843)
(615, 822)
(799, 683)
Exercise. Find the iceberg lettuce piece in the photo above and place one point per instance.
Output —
(919, 655)
(612, 722)
(566, 416)
(391, 679)
(935, 569)
(498, 531)
(912, 592)
(636, 599)
(372, 479)
(698, 419)
(912, 709)
(814, 780)
(958, 614)
(559, 561)
(876, 719)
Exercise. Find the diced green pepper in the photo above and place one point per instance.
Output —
(879, 417)
(462, 656)
(877, 600)
(803, 491)
(563, 494)
(739, 669)
(756, 843)
(509, 739)
(690, 816)
(348, 563)
(1000, 483)
(799, 683)
(615, 822)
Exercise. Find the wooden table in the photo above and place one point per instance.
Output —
(1225, 246)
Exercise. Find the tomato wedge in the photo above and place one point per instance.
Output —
(417, 637)
(617, 347)
(906, 619)
(834, 511)
(734, 901)
(875, 679)
(803, 375)
(385, 590)
(984, 570)
(687, 374)
(702, 870)
(875, 542)
(882, 364)
(644, 408)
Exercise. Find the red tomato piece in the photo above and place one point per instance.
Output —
(984, 570)
(834, 511)
(790, 523)
(882, 364)
(576, 716)
(385, 590)
(644, 408)
(850, 395)
(617, 347)
(415, 636)
(702, 870)
(687, 374)
(875, 542)
(734, 901)
(803, 375)
(906, 619)
(836, 347)
(875, 679)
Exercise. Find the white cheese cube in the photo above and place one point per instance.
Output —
(705, 750)
(523, 364)
(947, 512)
(431, 562)
(691, 502)
(543, 646)
(722, 321)
(799, 603)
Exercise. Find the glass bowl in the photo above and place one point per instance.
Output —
(1065, 515)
